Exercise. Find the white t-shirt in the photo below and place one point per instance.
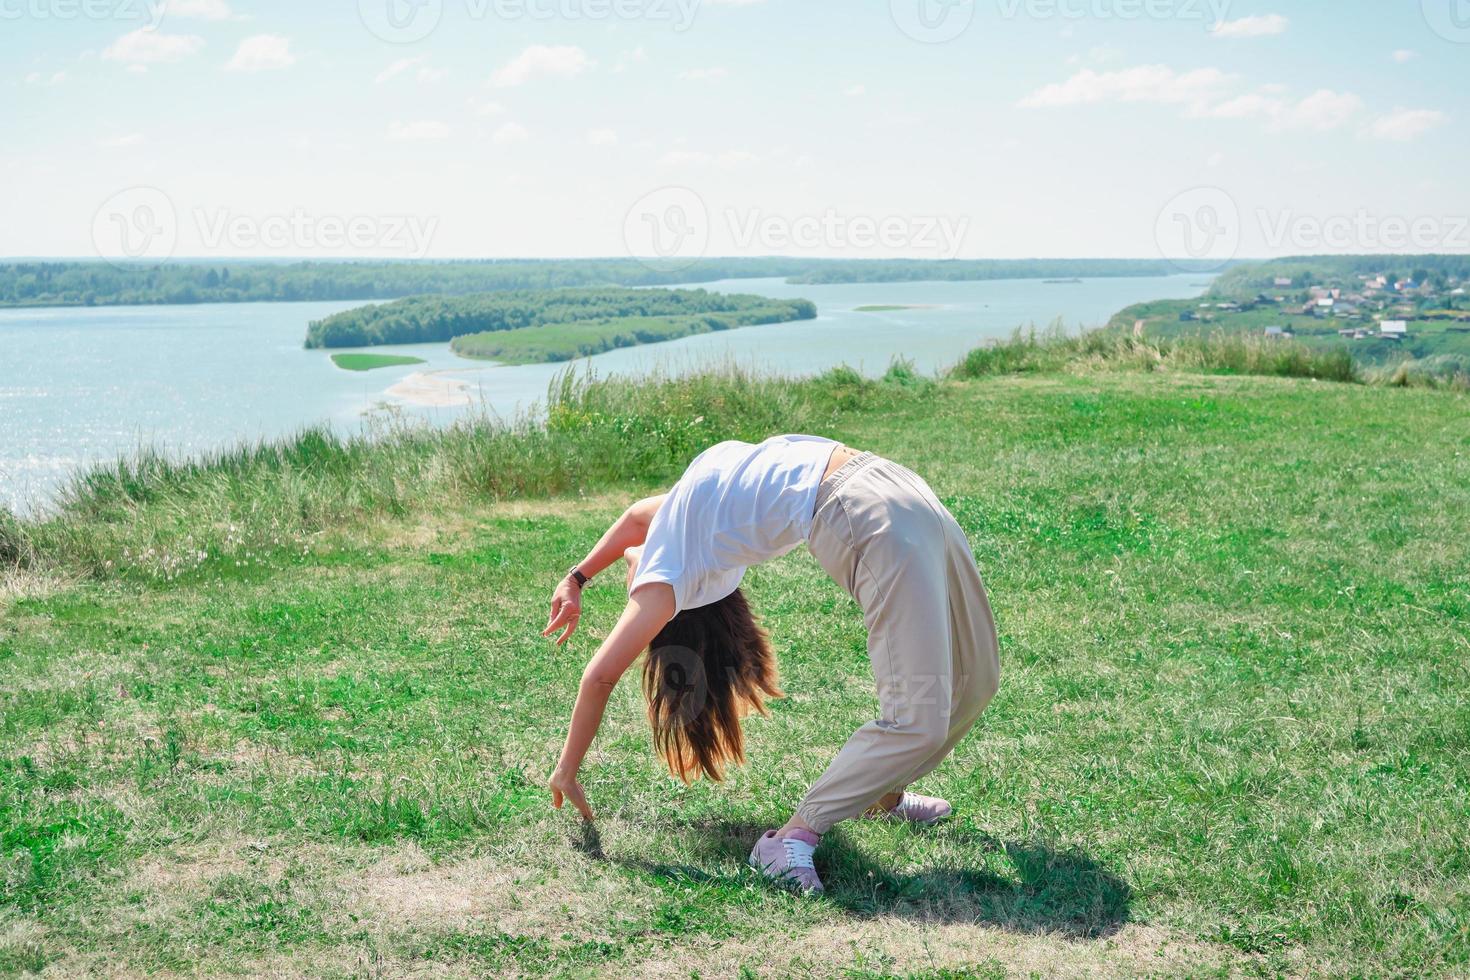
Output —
(735, 506)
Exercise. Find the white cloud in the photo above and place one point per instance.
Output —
(147, 47)
(509, 133)
(1146, 83)
(36, 78)
(602, 137)
(557, 61)
(488, 107)
(119, 142)
(1321, 111)
(702, 74)
(263, 52)
(397, 68)
(854, 91)
(1263, 25)
(1403, 125)
(1403, 56)
(424, 75)
(200, 10)
(413, 132)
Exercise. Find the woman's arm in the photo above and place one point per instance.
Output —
(626, 532)
(647, 612)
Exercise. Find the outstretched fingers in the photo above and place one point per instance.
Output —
(563, 614)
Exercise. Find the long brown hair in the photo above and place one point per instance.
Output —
(706, 669)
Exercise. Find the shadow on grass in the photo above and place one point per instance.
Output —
(1021, 886)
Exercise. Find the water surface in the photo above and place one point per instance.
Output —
(86, 384)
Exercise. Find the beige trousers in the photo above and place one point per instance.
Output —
(880, 532)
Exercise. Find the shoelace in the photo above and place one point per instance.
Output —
(798, 854)
(904, 802)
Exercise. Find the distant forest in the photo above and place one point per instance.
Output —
(427, 319)
(98, 283)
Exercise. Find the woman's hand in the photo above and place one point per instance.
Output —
(566, 787)
(566, 609)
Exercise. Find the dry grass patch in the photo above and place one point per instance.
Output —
(890, 946)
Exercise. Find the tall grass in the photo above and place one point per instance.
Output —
(159, 516)
(1451, 371)
(1054, 349)
(166, 517)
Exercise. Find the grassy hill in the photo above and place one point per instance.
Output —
(286, 710)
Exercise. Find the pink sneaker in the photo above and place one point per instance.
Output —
(788, 860)
(915, 808)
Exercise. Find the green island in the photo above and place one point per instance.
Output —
(1409, 314)
(285, 709)
(584, 338)
(550, 324)
(99, 283)
(371, 362)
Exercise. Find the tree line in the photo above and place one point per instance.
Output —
(430, 319)
(97, 283)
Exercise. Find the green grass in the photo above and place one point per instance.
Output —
(1435, 354)
(370, 362)
(584, 338)
(1230, 736)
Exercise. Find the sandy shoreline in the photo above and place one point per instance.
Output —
(433, 389)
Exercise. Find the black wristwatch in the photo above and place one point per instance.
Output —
(576, 575)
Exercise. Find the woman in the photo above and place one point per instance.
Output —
(880, 532)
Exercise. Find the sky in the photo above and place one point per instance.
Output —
(1203, 129)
